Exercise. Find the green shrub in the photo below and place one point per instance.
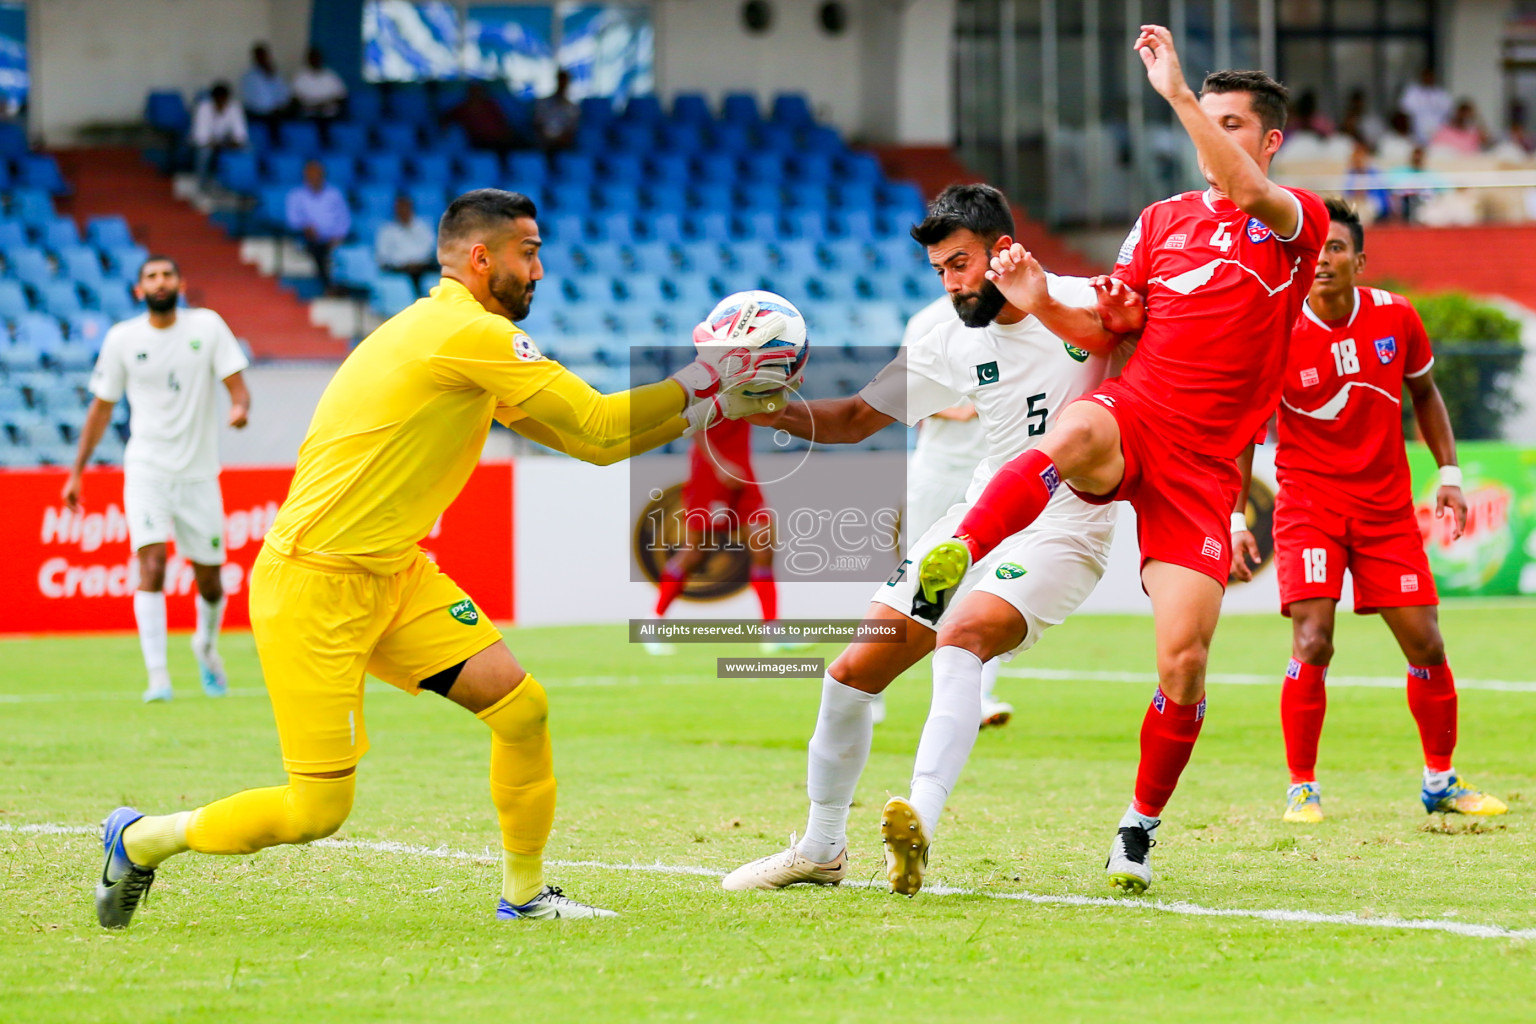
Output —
(1477, 360)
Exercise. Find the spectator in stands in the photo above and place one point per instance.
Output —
(262, 90)
(1519, 130)
(1360, 122)
(483, 120)
(1427, 104)
(218, 124)
(1306, 117)
(407, 245)
(1364, 184)
(557, 116)
(317, 212)
(318, 91)
(1463, 133)
(1415, 183)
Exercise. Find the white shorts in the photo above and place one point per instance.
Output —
(1045, 574)
(932, 490)
(191, 511)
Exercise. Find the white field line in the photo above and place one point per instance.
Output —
(1466, 929)
(189, 692)
(1248, 679)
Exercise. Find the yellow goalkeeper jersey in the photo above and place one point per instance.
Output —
(400, 428)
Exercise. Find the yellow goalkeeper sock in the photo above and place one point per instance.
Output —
(308, 808)
(522, 786)
(153, 838)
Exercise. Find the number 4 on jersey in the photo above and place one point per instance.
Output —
(1222, 239)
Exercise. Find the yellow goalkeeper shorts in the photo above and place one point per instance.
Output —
(319, 629)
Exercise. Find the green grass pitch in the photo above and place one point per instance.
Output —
(660, 763)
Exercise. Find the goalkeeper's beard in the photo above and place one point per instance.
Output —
(979, 308)
(515, 295)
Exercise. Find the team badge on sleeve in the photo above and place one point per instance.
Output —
(524, 348)
(1258, 231)
(1128, 247)
(1386, 349)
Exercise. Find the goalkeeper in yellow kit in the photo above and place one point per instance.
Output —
(341, 589)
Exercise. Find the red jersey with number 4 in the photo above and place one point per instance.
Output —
(1340, 443)
(1222, 291)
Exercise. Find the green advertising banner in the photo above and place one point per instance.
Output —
(1497, 554)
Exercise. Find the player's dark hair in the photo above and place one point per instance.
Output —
(1268, 97)
(1341, 212)
(481, 210)
(158, 258)
(981, 209)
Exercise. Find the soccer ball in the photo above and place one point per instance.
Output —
(735, 317)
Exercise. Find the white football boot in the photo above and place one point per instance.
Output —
(787, 867)
(1130, 859)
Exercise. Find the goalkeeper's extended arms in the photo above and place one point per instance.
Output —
(533, 430)
(571, 408)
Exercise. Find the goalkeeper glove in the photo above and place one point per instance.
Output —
(731, 405)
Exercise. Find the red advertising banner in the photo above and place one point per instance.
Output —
(69, 571)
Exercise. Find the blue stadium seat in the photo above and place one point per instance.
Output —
(601, 259)
(582, 320)
(408, 104)
(397, 137)
(354, 266)
(596, 110)
(717, 168)
(575, 167)
(41, 331)
(650, 257)
(740, 107)
(430, 200)
(711, 195)
(730, 137)
(640, 288)
(283, 168)
(82, 263)
(258, 137)
(364, 104)
(13, 233)
(347, 137)
(694, 294)
(567, 228)
(860, 167)
(570, 197)
(690, 106)
(559, 262)
(13, 141)
(591, 138)
(374, 199)
(766, 167)
(116, 303)
(480, 166)
(340, 169)
(238, 171)
(451, 139)
(687, 138)
(431, 167)
(665, 198)
(754, 196)
(852, 223)
(850, 255)
(13, 300)
(812, 168)
(628, 168)
(89, 328)
(856, 195)
(108, 232)
(898, 253)
(61, 233)
(526, 170)
(391, 293)
(713, 225)
(808, 196)
(616, 227)
(646, 108)
(810, 224)
(301, 137)
(623, 196)
(778, 138)
(30, 265)
(5, 175)
(384, 167)
(62, 299)
(798, 256)
(633, 137)
(32, 206)
(125, 261)
(19, 356)
(666, 226)
(667, 168)
(12, 401)
(792, 108)
(166, 111)
(756, 224)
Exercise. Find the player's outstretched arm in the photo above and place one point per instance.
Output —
(96, 420)
(1236, 173)
(549, 437)
(827, 420)
(239, 400)
(1023, 282)
(1435, 425)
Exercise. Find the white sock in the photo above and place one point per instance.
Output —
(149, 613)
(950, 732)
(989, 680)
(1436, 782)
(210, 618)
(839, 749)
(1133, 817)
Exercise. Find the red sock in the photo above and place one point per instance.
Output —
(667, 588)
(761, 578)
(1303, 702)
(1014, 499)
(1168, 735)
(1432, 699)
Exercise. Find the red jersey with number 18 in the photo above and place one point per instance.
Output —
(1222, 291)
(1340, 444)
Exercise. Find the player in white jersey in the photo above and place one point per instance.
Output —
(1019, 376)
(950, 444)
(168, 363)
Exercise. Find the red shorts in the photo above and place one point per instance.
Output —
(1313, 547)
(1183, 499)
(711, 506)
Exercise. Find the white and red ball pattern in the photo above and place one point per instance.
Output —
(736, 317)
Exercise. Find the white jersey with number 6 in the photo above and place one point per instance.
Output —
(170, 377)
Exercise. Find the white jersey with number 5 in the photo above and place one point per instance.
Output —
(170, 377)
(1019, 376)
